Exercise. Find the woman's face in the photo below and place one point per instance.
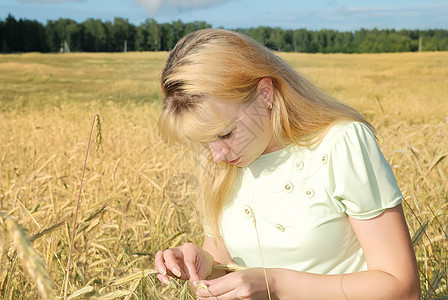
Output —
(250, 136)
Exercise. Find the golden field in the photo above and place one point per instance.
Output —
(138, 194)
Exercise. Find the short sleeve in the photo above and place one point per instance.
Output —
(361, 180)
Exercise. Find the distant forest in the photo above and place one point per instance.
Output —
(94, 35)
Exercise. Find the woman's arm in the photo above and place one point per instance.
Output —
(392, 270)
(218, 250)
(221, 256)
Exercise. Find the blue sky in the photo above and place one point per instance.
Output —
(343, 15)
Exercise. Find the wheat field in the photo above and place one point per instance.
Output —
(138, 194)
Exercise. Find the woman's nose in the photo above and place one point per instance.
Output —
(218, 149)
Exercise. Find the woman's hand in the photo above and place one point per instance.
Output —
(188, 262)
(247, 284)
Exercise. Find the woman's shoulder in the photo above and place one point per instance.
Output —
(348, 128)
(347, 132)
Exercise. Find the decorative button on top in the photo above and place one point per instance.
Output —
(288, 187)
(299, 165)
(248, 211)
(280, 227)
(309, 193)
(324, 158)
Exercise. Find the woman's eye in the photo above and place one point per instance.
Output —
(226, 136)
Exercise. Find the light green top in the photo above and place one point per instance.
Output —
(300, 198)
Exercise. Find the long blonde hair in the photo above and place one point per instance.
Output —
(212, 64)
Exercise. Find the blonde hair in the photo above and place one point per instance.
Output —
(212, 64)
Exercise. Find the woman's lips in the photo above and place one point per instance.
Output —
(234, 161)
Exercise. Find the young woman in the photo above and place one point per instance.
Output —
(292, 180)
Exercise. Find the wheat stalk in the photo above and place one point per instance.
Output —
(99, 140)
(261, 255)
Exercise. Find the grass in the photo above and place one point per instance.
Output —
(138, 194)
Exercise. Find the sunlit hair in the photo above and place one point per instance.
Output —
(215, 64)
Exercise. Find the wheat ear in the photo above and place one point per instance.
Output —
(229, 267)
(29, 257)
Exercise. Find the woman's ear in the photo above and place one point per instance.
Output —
(266, 90)
(265, 87)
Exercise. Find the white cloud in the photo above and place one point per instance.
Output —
(382, 11)
(177, 5)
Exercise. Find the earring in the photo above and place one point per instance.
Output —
(270, 105)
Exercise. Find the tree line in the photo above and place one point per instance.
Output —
(94, 35)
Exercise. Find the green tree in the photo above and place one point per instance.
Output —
(62, 30)
(2, 36)
(343, 42)
(277, 39)
(364, 40)
(11, 38)
(110, 41)
(95, 36)
(300, 40)
(148, 36)
(141, 36)
(154, 36)
(178, 29)
(123, 35)
(31, 36)
(168, 39)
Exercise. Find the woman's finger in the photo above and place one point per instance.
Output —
(220, 287)
(202, 289)
(190, 260)
(170, 257)
(231, 295)
(159, 261)
(163, 278)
